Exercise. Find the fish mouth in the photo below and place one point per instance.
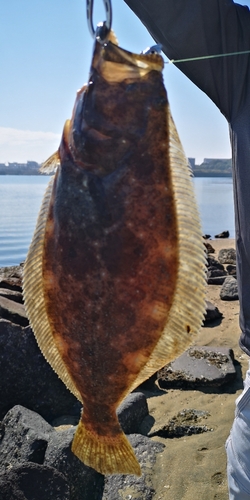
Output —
(115, 64)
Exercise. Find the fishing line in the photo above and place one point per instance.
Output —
(202, 58)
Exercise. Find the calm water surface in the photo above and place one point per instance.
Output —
(214, 196)
(21, 196)
(20, 200)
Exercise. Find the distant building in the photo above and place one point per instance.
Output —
(213, 160)
(214, 167)
(33, 164)
(15, 168)
(192, 162)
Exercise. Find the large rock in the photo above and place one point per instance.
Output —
(11, 277)
(12, 295)
(209, 247)
(213, 272)
(231, 269)
(186, 423)
(199, 366)
(33, 482)
(216, 273)
(217, 280)
(13, 311)
(213, 263)
(229, 289)
(132, 411)
(11, 283)
(224, 234)
(212, 313)
(227, 256)
(27, 379)
(84, 482)
(25, 437)
(121, 487)
(11, 299)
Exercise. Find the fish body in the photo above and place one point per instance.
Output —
(114, 278)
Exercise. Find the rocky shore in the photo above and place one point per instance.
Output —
(177, 421)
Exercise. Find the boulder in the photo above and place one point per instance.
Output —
(217, 280)
(214, 263)
(12, 295)
(215, 276)
(227, 256)
(12, 271)
(185, 423)
(132, 411)
(13, 311)
(121, 487)
(209, 247)
(27, 440)
(231, 269)
(11, 277)
(224, 234)
(212, 313)
(84, 482)
(25, 436)
(27, 379)
(33, 482)
(11, 283)
(215, 272)
(199, 366)
(229, 289)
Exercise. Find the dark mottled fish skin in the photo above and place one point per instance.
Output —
(109, 282)
(106, 249)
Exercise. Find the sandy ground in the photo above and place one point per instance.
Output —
(194, 467)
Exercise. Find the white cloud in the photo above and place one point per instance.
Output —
(23, 145)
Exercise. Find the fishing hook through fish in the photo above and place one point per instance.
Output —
(103, 28)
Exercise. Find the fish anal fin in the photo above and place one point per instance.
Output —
(188, 307)
(108, 454)
(51, 164)
(33, 292)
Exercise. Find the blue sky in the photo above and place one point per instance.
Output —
(45, 53)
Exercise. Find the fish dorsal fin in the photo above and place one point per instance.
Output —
(34, 297)
(51, 164)
(188, 308)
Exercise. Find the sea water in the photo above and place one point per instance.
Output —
(21, 197)
(214, 197)
(20, 200)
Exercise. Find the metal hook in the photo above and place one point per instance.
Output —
(106, 24)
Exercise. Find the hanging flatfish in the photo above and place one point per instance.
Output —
(114, 277)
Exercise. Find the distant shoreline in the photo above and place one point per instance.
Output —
(26, 173)
(211, 174)
(195, 174)
(211, 167)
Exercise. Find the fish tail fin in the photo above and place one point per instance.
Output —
(106, 454)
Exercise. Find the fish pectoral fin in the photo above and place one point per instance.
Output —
(112, 454)
(51, 164)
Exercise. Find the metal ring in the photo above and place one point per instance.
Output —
(108, 10)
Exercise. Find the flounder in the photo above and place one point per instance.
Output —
(114, 278)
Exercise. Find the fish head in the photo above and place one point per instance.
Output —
(112, 109)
